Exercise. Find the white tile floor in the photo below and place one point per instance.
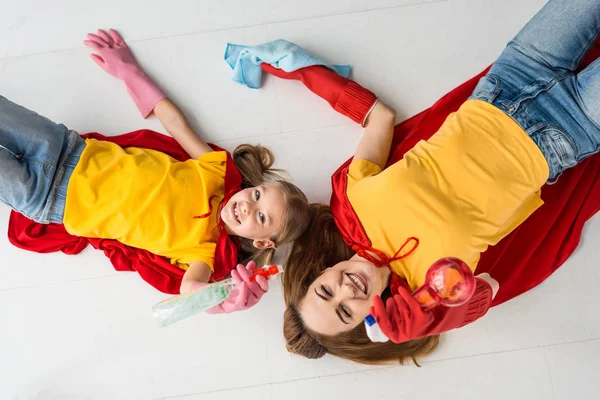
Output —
(72, 328)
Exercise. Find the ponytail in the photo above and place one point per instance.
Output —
(254, 162)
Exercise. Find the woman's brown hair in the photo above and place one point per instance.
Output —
(255, 164)
(320, 247)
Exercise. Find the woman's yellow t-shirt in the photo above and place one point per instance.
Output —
(459, 192)
(147, 199)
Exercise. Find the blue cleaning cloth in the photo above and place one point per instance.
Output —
(245, 61)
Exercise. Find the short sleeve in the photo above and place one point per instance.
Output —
(184, 262)
(360, 169)
(214, 162)
(213, 157)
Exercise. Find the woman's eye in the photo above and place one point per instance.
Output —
(346, 311)
(327, 292)
(262, 218)
(257, 195)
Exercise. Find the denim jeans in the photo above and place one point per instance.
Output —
(534, 82)
(37, 158)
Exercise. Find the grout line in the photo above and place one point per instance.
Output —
(266, 384)
(513, 350)
(385, 367)
(573, 342)
(549, 373)
(312, 17)
(293, 131)
(278, 110)
(62, 282)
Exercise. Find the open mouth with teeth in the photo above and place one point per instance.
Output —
(359, 282)
(236, 213)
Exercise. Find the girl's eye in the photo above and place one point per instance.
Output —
(261, 216)
(327, 292)
(257, 195)
(346, 311)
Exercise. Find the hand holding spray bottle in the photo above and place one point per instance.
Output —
(449, 282)
(185, 305)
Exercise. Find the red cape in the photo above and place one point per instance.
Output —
(519, 262)
(534, 250)
(156, 270)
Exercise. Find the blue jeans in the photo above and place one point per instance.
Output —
(534, 82)
(37, 158)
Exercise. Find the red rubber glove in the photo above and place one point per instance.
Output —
(402, 318)
(114, 57)
(245, 294)
(345, 96)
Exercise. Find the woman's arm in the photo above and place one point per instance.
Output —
(352, 100)
(176, 124)
(491, 281)
(377, 139)
(402, 318)
(344, 95)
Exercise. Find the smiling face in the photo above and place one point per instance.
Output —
(340, 299)
(256, 213)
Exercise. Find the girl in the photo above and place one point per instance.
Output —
(144, 198)
(529, 119)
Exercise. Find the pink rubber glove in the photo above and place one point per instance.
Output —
(245, 294)
(113, 56)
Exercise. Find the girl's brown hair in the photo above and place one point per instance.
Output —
(320, 247)
(254, 162)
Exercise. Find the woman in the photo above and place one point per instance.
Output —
(471, 184)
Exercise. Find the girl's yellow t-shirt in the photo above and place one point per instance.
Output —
(464, 189)
(147, 199)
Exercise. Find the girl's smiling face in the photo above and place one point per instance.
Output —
(256, 213)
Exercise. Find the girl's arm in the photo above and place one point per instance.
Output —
(246, 293)
(196, 276)
(176, 124)
(114, 56)
(377, 140)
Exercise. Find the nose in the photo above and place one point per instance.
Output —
(347, 291)
(245, 208)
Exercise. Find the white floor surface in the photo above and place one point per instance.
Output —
(73, 328)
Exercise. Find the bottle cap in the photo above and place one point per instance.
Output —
(266, 272)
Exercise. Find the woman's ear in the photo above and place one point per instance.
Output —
(263, 244)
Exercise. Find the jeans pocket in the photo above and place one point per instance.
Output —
(487, 89)
(564, 146)
(564, 151)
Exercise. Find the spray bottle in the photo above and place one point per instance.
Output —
(185, 305)
(449, 282)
